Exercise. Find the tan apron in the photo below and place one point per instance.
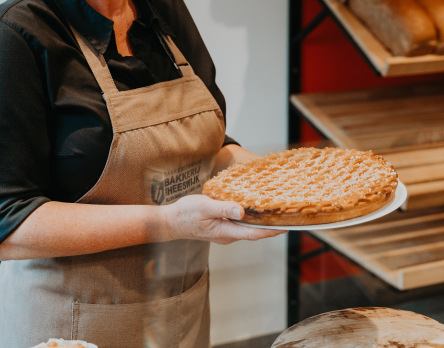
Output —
(165, 140)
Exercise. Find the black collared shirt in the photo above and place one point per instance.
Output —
(55, 131)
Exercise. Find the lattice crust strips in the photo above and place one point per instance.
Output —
(307, 186)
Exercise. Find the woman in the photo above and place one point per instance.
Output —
(110, 123)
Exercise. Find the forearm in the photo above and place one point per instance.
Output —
(67, 229)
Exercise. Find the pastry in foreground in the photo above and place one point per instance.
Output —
(60, 343)
(306, 186)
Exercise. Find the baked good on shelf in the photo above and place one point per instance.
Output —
(306, 186)
(403, 26)
(435, 9)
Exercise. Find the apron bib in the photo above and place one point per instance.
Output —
(165, 138)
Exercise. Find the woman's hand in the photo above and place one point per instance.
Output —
(202, 218)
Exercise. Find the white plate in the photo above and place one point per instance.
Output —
(395, 203)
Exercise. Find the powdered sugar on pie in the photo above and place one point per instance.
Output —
(307, 186)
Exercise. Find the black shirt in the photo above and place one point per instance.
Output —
(55, 131)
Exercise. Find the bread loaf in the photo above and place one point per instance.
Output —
(403, 26)
(435, 9)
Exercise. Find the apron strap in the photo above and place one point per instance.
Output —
(100, 69)
(97, 63)
(181, 61)
(178, 59)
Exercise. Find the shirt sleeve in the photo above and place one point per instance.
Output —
(228, 141)
(24, 140)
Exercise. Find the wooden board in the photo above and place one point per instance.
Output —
(370, 327)
(404, 249)
(405, 124)
(383, 61)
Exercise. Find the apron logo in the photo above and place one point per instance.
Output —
(158, 189)
(169, 186)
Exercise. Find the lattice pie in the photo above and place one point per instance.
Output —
(307, 186)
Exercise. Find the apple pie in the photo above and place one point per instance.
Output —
(306, 186)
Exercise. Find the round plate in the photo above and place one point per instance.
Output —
(395, 203)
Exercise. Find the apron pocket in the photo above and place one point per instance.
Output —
(195, 315)
(109, 326)
(181, 321)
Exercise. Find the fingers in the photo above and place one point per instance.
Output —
(223, 209)
(238, 232)
(230, 232)
(200, 217)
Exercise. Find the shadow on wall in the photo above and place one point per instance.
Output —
(265, 82)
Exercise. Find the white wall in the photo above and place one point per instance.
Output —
(247, 40)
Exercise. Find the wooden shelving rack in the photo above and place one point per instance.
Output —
(406, 125)
(376, 54)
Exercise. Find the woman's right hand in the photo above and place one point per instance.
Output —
(202, 218)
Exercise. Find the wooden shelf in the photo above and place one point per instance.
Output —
(404, 124)
(380, 119)
(404, 249)
(377, 55)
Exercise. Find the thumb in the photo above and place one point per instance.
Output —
(225, 209)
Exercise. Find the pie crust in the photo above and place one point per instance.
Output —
(306, 186)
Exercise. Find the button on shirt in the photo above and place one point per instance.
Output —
(55, 131)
